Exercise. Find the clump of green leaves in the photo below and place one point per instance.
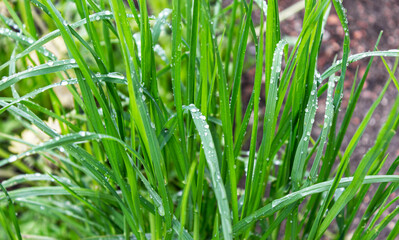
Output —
(153, 145)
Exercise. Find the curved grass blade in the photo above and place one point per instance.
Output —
(49, 67)
(111, 78)
(351, 59)
(213, 166)
(26, 41)
(63, 211)
(55, 191)
(285, 201)
(34, 177)
(72, 138)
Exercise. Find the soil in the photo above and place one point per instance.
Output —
(367, 18)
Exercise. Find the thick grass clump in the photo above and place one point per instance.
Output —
(146, 139)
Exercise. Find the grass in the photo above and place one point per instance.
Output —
(152, 144)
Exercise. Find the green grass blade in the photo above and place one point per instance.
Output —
(279, 204)
(11, 212)
(213, 166)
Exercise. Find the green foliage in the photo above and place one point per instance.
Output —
(150, 142)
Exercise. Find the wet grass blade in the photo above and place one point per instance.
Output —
(213, 166)
(279, 204)
(12, 213)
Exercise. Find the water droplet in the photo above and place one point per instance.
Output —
(12, 158)
(161, 210)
